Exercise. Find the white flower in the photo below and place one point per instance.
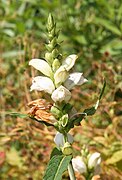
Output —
(61, 94)
(79, 165)
(94, 160)
(60, 76)
(69, 62)
(74, 79)
(59, 139)
(42, 66)
(41, 83)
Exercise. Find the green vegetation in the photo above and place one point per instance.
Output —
(93, 30)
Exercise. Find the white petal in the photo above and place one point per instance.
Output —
(60, 75)
(61, 94)
(59, 139)
(69, 62)
(79, 165)
(94, 160)
(41, 83)
(74, 79)
(42, 66)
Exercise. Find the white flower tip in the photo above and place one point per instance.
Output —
(61, 94)
(32, 61)
(79, 165)
(94, 160)
(85, 80)
(59, 139)
(74, 56)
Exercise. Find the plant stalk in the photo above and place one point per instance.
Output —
(70, 167)
(71, 171)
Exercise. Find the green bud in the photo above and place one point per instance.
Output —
(67, 149)
(64, 120)
(56, 112)
(53, 42)
(55, 53)
(50, 22)
(50, 36)
(56, 125)
(49, 57)
(53, 33)
(55, 65)
(49, 47)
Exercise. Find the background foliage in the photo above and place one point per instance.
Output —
(93, 30)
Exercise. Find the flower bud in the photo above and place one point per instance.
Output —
(59, 139)
(61, 94)
(94, 160)
(67, 149)
(60, 76)
(55, 65)
(49, 57)
(55, 53)
(49, 47)
(64, 120)
(54, 42)
(56, 112)
(50, 22)
(53, 31)
(79, 165)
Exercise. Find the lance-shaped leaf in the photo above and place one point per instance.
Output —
(16, 114)
(55, 152)
(92, 110)
(57, 165)
(78, 117)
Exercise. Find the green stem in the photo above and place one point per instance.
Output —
(70, 167)
(71, 171)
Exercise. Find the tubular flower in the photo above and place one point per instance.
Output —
(42, 66)
(69, 62)
(79, 165)
(94, 160)
(61, 94)
(41, 83)
(59, 139)
(60, 76)
(53, 83)
(74, 79)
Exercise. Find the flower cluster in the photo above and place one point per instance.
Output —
(89, 165)
(58, 83)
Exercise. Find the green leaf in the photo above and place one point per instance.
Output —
(103, 89)
(78, 117)
(92, 110)
(55, 151)
(116, 157)
(57, 165)
(16, 114)
(108, 25)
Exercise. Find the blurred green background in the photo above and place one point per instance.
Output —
(93, 30)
